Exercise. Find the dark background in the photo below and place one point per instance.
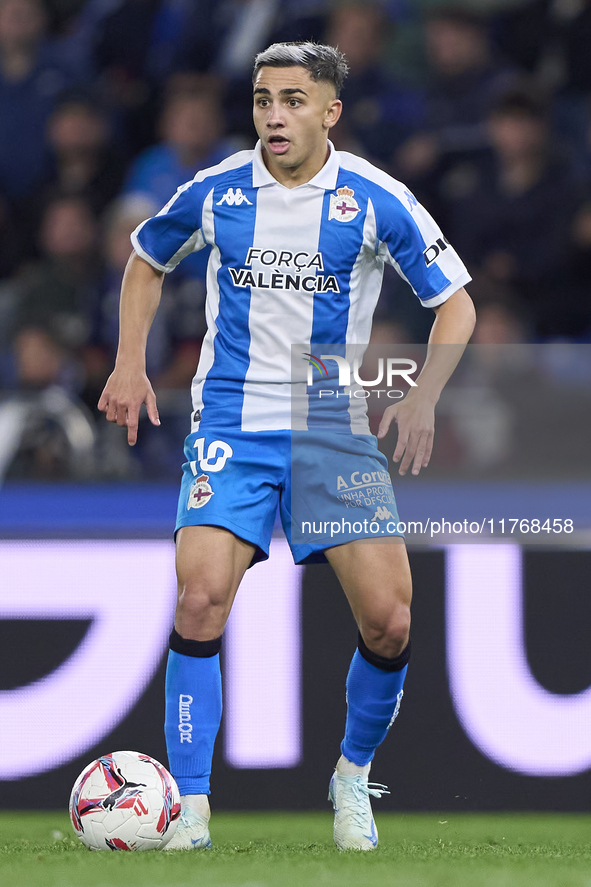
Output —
(427, 760)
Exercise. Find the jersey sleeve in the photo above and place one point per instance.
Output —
(175, 231)
(411, 241)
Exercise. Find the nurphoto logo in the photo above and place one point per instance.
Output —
(388, 370)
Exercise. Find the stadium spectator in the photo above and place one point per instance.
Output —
(174, 342)
(192, 128)
(138, 44)
(143, 41)
(551, 39)
(31, 78)
(84, 159)
(510, 210)
(54, 296)
(40, 360)
(465, 80)
(83, 163)
(381, 113)
(500, 319)
(122, 216)
(498, 324)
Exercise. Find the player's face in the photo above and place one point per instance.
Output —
(292, 116)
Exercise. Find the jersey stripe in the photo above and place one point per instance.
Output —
(342, 241)
(212, 307)
(366, 282)
(286, 220)
(222, 392)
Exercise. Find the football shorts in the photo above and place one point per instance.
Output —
(330, 488)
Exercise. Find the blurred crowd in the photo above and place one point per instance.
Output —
(106, 106)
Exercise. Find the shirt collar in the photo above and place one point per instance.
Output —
(326, 178)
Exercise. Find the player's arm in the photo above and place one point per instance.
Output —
(128, 386)
(415, 415)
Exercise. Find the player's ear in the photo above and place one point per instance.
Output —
(333, 113)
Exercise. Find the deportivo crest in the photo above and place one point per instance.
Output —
(343, 206)
(200, 492)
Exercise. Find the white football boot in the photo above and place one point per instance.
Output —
(349, 791)
(193, 829)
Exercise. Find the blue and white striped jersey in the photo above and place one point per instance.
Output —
(299, 265)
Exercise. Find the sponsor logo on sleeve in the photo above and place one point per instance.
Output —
(432, 252)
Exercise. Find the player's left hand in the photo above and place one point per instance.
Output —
(415, 417)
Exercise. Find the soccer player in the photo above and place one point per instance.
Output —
(299, 235)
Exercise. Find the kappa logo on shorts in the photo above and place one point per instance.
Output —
(200, 492)
(234, 198)
(343, 206)
(382, 513)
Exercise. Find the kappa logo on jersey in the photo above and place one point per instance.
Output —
(382, 513)
(412, 200)
(343, 206)
(234, 198)
(200, 492)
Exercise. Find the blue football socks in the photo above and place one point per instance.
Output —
(373, 700)
(193, 713)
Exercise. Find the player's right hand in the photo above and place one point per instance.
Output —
(415, 418)
(122, 398)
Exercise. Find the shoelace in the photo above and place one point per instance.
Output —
(354, 802)
(190, 817)
(185, 820)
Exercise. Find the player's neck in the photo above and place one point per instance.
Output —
(293, 176)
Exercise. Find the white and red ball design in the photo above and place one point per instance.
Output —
(125, 801)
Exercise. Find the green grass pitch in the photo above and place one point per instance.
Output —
(284, 849)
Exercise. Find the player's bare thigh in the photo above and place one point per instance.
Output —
(210, 564)
(376, 579)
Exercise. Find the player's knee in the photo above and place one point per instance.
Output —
(387, 634)
(203, 602)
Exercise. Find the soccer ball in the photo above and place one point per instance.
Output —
(125, 801)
